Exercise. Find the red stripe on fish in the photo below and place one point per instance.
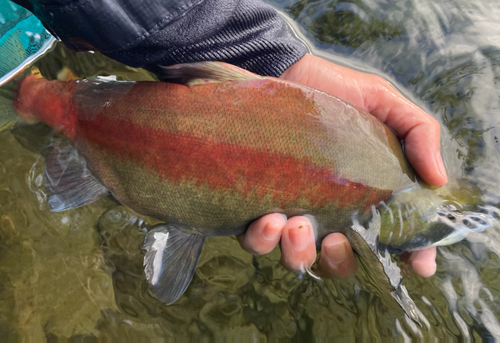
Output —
(223, 166)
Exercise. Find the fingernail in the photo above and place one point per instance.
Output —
(299, 237)
(271, 232)
(440, 164)
(283, 215)
(337, 252)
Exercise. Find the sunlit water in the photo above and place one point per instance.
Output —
(79, 273)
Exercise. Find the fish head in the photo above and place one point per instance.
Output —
(28, 87)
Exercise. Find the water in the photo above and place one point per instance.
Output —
(79, 273)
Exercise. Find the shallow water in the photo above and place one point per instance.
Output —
(79, 273)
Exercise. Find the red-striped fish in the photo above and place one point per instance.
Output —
(213, 154)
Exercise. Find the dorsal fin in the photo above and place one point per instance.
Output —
(200, 73)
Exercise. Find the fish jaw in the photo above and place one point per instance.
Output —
(50, 102)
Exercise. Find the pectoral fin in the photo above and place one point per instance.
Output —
(68, 182)
(170, 260)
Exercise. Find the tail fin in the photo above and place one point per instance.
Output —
(8, 117)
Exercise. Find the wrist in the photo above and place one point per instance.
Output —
(300, 71)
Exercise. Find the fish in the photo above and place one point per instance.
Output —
(214, 147)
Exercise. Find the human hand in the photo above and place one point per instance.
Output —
(420, 133)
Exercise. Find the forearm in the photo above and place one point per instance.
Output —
(247, 33)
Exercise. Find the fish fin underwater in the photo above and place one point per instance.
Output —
(69, 183)
(170, 260)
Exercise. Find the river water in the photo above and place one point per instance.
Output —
(79, 273)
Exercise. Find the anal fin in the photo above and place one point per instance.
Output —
(68, 181)
(170, 260)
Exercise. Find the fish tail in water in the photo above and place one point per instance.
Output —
(463, 223)
(170, 260)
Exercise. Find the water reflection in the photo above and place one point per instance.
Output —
(347, 24)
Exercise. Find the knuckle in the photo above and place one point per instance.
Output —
(434, 123)
(382, 83)
(379, 80)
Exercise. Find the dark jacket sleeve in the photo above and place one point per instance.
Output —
(147, 33)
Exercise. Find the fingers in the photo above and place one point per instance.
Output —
(298, 244)
(423, 262)
(424, 155)
(263, 235)
(337, 258)
(419, 130)
(298, 248)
